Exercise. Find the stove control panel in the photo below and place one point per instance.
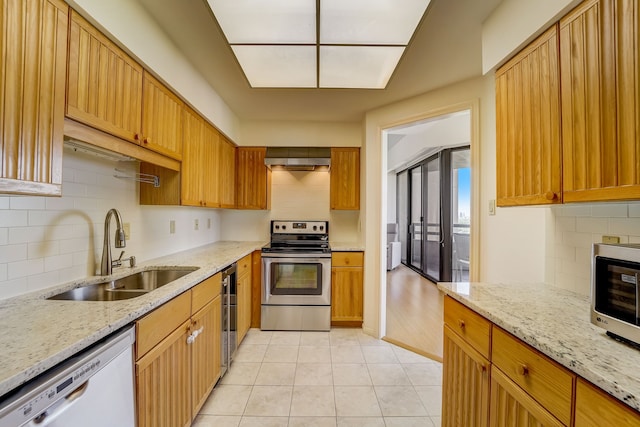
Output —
(299, 227)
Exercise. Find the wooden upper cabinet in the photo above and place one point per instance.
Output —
(254, 179)
(227, 173)
(528, 144)
(33, 39)
(345, 178)
(601, 101)
(209, 167)
(104, 85)
(192, 180)
(162, 113)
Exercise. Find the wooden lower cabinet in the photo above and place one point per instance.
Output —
(595, 408)
(177, 367)
(243, 289)
(465, 383)
(163, 378)
(515, 385)
(347, 288)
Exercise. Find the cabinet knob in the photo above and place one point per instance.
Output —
(523, 369)
(145, 141)
(481, 367)
(136, 137)
(550, 195)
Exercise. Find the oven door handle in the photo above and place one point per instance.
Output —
(297, 259)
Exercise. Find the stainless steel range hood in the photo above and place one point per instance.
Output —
(298, 158)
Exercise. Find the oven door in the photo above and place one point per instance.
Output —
(296, 279)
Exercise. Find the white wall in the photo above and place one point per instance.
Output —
(46, 241)
(574, 228)
(129, 24)
(514, 23)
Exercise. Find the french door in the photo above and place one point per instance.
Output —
(433, 215)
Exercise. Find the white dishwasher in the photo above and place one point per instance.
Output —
(95, 387)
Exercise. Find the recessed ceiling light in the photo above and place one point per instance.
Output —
(350, 44)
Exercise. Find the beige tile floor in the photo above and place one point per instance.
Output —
(341, 378)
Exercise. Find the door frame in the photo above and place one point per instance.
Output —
(375, 216)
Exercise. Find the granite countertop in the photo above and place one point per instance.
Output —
(557, 322)
(36, 334)
(346, 246)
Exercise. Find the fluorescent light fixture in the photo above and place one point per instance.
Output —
(266, 21)
(370, 22)
(278, 65)
(357, 66)
(358, 43)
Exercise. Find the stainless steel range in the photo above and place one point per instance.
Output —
(296, 277)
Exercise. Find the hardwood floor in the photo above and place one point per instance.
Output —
(414, 312)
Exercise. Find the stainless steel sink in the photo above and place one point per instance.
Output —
(126, 287)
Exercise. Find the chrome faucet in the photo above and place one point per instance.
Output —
(106, 267)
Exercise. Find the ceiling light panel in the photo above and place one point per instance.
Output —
(370, 21)
(362, 67)
(266, 21)
(278, 66)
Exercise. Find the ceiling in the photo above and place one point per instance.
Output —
(446, 48)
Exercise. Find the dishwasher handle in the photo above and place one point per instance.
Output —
(52, 412)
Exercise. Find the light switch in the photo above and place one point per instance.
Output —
(492, 207)
(196, 224)
(127, 230)
(611, 239)
(172, 227)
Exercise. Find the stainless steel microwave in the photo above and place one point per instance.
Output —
(615, 294)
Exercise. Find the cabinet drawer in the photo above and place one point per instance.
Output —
(244, 265)
(204, 292)
(475, 329)
(594, 407)
(157, 325)
(543, 379)
(347, 259)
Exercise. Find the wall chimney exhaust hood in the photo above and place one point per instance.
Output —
(298, 158)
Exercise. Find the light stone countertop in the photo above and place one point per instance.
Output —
(557, 322)
(346, 246)
(36, 334)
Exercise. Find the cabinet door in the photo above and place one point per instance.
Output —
(104, 85)
(33, 39)
(162, 114)
(192, 177)
(594, 408)
(227, 174)
(465, 384)
(511, 406)
(205, 353)
(254, 179)
(210, 167)
(346, 294)
(528, 125)
(600, 101)
(163, 378)
(345, 178)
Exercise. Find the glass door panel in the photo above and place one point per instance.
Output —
(432, 210)
(415, 217)
(460, 214)
(402, 206)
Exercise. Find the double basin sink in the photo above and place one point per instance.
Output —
(127, 287)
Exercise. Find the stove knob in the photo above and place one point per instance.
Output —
(284, 227)
(277, 227)
(321, 227)
(315, 227)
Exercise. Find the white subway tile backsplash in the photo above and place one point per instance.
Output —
(565, 252)
(43, 249)
(5, 202)
(14, 218)
(634, 210)
(35, 281)
(572, 238)
(592, 225)
(3, 273)
(610, 210)
(575, 210)
(11, 288)
(4, 236)
(59, 203)
(58, 262)
(565, 223)
(625, 226)
(26, 202)
(25, 268)
(13, 253)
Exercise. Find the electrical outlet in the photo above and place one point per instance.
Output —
(611, 239)
(127, 230)
(172, 227)
(208, 222)
(492, 207)
(196, 225)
